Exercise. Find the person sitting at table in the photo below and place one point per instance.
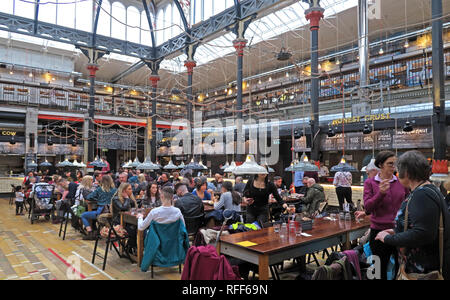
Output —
(141, 184)
(123, 178)
(189, 204)
(123, 201)
(217, 182)
(175, 178)
(152, 197)
(164, 181)
(103, 196)
(200, 189)
(274, 207)
(164, 214)
(230, 200)
(256, 195)
(239, 186)
(323, 172)
(314, 196)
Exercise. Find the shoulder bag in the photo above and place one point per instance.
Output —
(434, 275)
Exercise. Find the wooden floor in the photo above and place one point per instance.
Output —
(35, 252)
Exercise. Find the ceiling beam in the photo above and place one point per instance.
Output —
(149, 20)
(95, 25)
(36, 16)
(133, 68)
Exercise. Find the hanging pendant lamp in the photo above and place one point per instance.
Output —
(181, 166)
(147, 165)
(230, 168)
(45, 163)
(304, 165)
(343, 166)
(33, 164)
(170, 166)
(66, 163)
(226, 165)
(250, 167)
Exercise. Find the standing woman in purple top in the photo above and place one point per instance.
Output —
(383, 196)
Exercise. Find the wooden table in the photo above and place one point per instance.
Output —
(272, 249)
(128, 218)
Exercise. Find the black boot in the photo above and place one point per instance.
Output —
(89, 237)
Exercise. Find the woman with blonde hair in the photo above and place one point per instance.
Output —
(103, 196)
(84, 189)
(123, 201)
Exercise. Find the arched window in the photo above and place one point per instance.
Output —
(134, 24)
(176, 21)
(119, 19)
(47, 13)
(66, 15)
(84, 12)
(220, 6)
(159, 27)
(104, 21)
(168, 22)
(7, 6)
(229, 3)
(146, 38)
(24, 9)
(198, 11)
(207, 9)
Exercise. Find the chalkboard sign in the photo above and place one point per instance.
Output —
(385, 139)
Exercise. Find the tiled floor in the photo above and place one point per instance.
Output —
(35, 252)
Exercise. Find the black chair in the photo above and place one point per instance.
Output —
(112, 238)
(193, 224)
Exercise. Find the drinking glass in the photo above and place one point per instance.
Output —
(298, 230)
(283, 230)
(276, 227)
(348, 217)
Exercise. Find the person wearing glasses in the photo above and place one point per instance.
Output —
(383, 197)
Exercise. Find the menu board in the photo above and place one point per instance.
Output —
(301, 145)
(381, 140)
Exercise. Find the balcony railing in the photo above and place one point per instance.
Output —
(66, 100)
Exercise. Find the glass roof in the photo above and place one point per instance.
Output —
(272, 25)
(130, 23)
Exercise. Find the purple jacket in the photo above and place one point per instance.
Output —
(383, 208)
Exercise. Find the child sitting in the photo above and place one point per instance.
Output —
(19, 200)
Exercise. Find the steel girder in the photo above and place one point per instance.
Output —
(199, 32)
(71, 36)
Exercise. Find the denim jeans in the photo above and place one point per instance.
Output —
(90, 215)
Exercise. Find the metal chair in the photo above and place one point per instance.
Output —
(111, 241)
(193, 224)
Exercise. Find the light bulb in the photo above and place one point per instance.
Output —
(259, 81)
(343, 160)
(270, 78)
(338, 62)
(287, 74)
(381, 52)
(406, 44)
(30, 75)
